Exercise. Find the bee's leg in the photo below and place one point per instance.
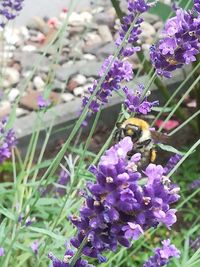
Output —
(117, 135)
(152, 155)
(144, 143)
(131, 153)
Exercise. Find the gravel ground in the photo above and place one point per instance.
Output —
(43, 8)
(88, 40)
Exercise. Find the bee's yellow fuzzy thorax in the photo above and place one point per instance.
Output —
(138, 122)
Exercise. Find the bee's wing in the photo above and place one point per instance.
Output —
(160, 137)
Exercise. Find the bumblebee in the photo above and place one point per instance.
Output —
(143, 138)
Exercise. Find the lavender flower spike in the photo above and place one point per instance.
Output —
(9, 9)
(163, 255)
(118, 208)
(66, 260)
(135, 8)
(7, 141)
(135, 103)
(119, 71)
(172, 163)
(181, 42)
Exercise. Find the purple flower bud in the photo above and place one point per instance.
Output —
(132, 231)
(66, 260)
(135, 103)
(2, 252)
(35, 246)
(119, 71)
(63, 180)
(162, 255)
(7, 141)
(172, 163)
(43, 103)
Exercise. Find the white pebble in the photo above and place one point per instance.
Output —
(67, 97)
(13, 94)
(80, 79)
(21, 112)
(89, 57)
(29, 48)
(39, 83)
(10, 76)
(79, 91)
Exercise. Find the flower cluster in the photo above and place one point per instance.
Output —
(7, 141)
(9, 9)
(135, 7)
(163, 255)
(172, 163)
(119, 207)
(135, 103)
(181, 42)
(119, 71)
(67, 257)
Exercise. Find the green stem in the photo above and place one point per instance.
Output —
(117, 8)
(180, 87)
(184, 123)
(79, 252)
(179, 103)
(146, 64)
(160, 85)
(55, 163)
(197, 89)
(190, 151)
(148, 68)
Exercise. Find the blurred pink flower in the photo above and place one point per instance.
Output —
(65, 10)
(170, 125)
(53, 23)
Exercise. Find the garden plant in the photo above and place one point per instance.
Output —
(135, 201)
